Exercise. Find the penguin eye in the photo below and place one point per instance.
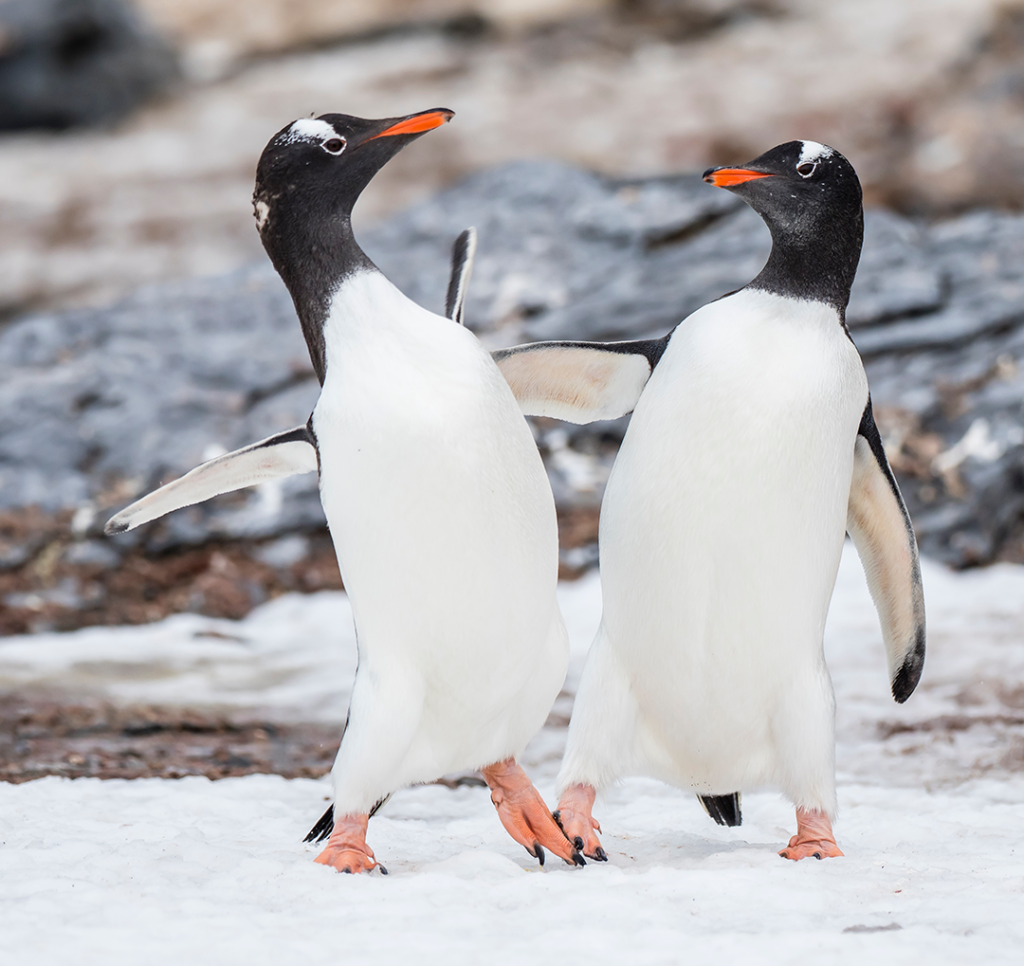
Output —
(806, 169)
(334, 145)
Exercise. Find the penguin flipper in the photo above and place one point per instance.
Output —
(880, 526)
(579, 381)
(463, 252)
(273, 458)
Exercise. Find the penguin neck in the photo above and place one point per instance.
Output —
(818, 267)
(314, 265)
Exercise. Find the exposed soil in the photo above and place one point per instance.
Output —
(50, 592)
(50, 735)
(46, 736)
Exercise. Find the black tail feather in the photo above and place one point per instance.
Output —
(724, 809)
(323, 827)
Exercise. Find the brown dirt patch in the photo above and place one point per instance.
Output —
(46, 736)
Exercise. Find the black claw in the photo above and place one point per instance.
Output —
(577, 844)
(817, 855)
(783, 855)
(578, 859)
(557, 816)
(538, 851)
(600, 854)
(383, 871)
(347, 870)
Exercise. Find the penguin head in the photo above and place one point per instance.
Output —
(800, 189)
(319, 166)
(810, 197)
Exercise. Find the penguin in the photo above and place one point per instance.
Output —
(751, 452)
(437, 501)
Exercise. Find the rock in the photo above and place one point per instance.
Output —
(960, 143)
(65, 63)
(98, 406)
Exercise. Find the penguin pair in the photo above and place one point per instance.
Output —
(751, 450)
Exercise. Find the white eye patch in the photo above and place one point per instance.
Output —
(813, 151)
(308, 129)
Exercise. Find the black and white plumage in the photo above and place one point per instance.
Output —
(436, 497)
(751, 450)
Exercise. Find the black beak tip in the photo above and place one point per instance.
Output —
(706, 176)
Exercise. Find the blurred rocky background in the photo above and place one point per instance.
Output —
(143, 330)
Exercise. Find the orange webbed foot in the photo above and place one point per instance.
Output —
(523, 813)
(575, 820)
(813, 837)
(347, 850)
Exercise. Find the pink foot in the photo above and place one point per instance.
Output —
(346, 849)
(813, 837)
(574, 819)
(523, 813)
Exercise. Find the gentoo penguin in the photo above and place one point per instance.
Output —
(437, 501)
(751, 451)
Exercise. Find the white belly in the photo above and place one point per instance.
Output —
(444, 525)
(721, 532)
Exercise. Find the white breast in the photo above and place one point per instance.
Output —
(724, 518)
(443, 521)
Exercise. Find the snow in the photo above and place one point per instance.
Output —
(215, 872)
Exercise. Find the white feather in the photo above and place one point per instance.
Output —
(308, 129)
(813, 151)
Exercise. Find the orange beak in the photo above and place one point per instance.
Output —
(417, 124)
(730, 177)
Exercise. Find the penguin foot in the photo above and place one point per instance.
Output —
(346, 849)
(813, 837)
(523, 813)
(576, 822)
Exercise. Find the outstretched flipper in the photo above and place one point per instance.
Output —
(880, 526)
(273, 458)
(579, 381)
(463, 252)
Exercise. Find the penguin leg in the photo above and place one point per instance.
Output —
(575, 820)
(601, 745)
(346, 849)
(523, 813)
(813, 837)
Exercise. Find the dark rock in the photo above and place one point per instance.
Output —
(98, 406)
(70, 62)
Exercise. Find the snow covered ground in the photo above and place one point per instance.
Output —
(155, 871)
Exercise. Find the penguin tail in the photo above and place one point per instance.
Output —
(325, 824)
(323, 827)
(724, 809)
